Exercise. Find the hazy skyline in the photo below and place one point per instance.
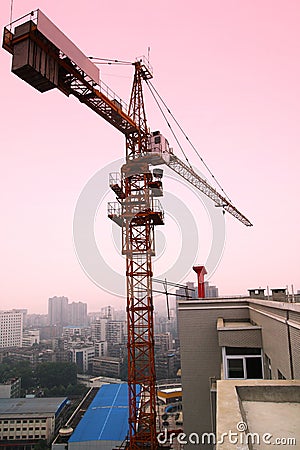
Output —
(230, 73)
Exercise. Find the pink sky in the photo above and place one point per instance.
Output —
(229, 70)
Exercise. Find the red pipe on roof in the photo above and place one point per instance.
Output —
(200, 271)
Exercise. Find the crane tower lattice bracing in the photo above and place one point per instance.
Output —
(138, 245)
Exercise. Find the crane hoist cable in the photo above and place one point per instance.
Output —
(109, 61)
(168, 123)
(185, 135)
(11, 12)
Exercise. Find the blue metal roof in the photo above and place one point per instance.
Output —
(106, 419)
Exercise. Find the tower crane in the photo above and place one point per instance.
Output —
(46, 59)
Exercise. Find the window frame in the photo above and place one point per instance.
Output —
(243, 357)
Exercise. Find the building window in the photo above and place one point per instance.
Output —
(242, 363)
(280, 376)
(235, 368)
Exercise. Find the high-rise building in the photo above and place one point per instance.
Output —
(210, 291)
(58, 311)
(115, 331)
(11, 328)
(108, 312)
(77, 313)
(98, 330)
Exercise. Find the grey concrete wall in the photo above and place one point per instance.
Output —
(201, 356)
(280, 335)
(250, 338)
(201, 353)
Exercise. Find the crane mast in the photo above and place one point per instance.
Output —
(138, 246)
(45, 58)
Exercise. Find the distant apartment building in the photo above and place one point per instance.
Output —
(238, 338)
(163, 342)
(61, 312)
(30, 337)
(107, 312)
(11, 328)
(58, 311)
(11, 388)
(98, 330)
(115, 331)
(83, 357)
(77, 314)
(100, 348)
(36, 320)
(70, 331)
(210, 291)
(107, 366)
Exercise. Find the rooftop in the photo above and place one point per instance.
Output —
(269, 408)
(17, 406)
(107, 416)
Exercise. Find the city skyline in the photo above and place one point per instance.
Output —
(229, 72)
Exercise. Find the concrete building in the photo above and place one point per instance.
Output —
(163, 342)
(107, 312)
(11, 388)
(30, 337)
(83, 357)
(210, 291)
(100, 348)
(23, 422)
(107, 366)
(77, 314)
(98, 330)
(73, 331)
(61, 312)
(248, 337)
(115, 331)
(58, 311)
(11, 328)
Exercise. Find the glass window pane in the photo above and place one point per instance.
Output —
(235, 368)
(254, 368)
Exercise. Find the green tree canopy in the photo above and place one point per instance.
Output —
(52, 374)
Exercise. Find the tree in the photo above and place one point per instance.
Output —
(52, 374)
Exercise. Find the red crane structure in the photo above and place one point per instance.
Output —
(45, 58)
